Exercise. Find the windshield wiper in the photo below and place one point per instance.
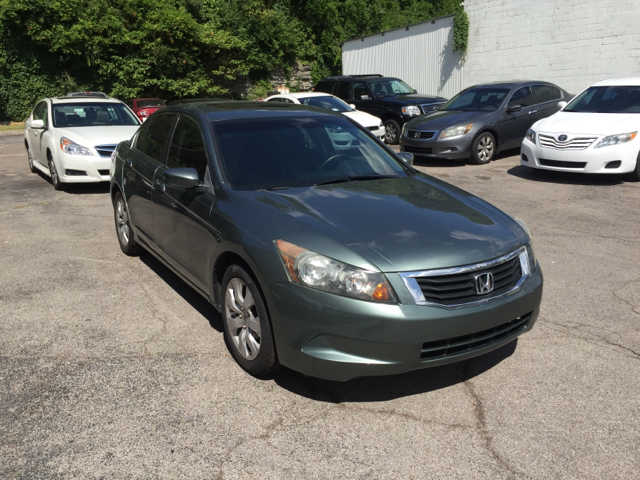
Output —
(271, 189)
(355, 178)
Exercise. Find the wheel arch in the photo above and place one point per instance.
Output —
(493, 132)
(230, 257)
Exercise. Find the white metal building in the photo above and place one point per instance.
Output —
(422, 55)
(572, 43)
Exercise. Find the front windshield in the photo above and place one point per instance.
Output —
(91, 114)
(285, 152)
(389, 87)
(477, 100)
(328, 102)
(606, 100)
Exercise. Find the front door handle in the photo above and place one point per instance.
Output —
(158, 184)
(533, 111)
(129, 163)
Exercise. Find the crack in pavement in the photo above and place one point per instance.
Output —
(481, 420)
(408, 416)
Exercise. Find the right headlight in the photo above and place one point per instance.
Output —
(455, 131)
(311, 269)
(531, 135)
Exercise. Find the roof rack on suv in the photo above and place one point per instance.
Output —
(87, 94)
(365, 75)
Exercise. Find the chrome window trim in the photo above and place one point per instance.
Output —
(409, 279)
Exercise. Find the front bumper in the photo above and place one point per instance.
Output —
(589, 160)
(82, 168)
(455, 148)
(338, 338)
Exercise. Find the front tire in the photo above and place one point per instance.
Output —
(483, 149)
(128, 244)
(635, 175)
(30, 159)
(55, 178)
(391, 132)
(247, 327)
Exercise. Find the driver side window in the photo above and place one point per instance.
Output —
(361, 91)
(523, 97)
(187, 148)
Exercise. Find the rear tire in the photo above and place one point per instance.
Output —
(483, 149)
(391, 132)
(247, 327)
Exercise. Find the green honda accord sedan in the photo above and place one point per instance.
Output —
(323, 250)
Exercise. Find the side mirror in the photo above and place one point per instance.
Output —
(181, 178)
(514, 108)
(37, 124)
(407, 158)
(364, 97)
(352, 106)
(562, 104)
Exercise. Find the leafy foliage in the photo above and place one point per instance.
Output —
(461, 33)
(179, 48)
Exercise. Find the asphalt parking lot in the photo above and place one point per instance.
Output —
(111, 367)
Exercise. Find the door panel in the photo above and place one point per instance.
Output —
(513, 126)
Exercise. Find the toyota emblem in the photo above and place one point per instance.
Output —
(562, 138)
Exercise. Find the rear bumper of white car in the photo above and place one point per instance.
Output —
(612, 159)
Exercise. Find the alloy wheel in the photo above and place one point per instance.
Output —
(485, 149)
(243, 319)
(122, 222)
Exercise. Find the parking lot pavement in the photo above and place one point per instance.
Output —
(111, 367)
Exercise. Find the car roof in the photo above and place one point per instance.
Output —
(302, 95)
(511, 84)
(365, 78)
(238, 109)
(57, 100)
(619, 82)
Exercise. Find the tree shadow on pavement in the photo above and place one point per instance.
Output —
(566, 178)
(192, 297)
(382, 389)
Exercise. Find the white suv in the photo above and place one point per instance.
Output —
(597, 132)
(71, 138)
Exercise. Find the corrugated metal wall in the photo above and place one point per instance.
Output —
(422, 55)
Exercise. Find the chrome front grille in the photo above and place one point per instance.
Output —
(419, 134)
(459, 286)
(576, 143)
(105, 150)
(430, 107)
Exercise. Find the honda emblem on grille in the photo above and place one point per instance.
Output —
(562, 138)
(484, 283)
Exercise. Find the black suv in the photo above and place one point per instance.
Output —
(388, 98)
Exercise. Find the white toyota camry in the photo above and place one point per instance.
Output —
(330, 102)
(597, 132)
(71, 138)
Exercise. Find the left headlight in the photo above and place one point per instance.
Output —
(455, 131)
(531, 135)
(616, 139)
(530, 253)
(411, 110)
(311, 269)
(72, 148)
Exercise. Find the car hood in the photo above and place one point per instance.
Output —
(416, 98)
(443, 119)
(590, 123)
(363, 118)
(98, 135)
(397, 224)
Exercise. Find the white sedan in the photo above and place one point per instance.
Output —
(71, 138)
(597, 132)
(330, 102)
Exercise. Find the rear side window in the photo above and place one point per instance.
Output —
(153, 134)
(324, 86)
(343, 90)
(546, 93)
(187, 148)
(523, 97)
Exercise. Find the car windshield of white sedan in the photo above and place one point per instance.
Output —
(610, 99)
(92, 114)
(278, 153)
(477, 100)
(326, 101)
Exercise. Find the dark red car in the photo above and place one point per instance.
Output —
(143, 107)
